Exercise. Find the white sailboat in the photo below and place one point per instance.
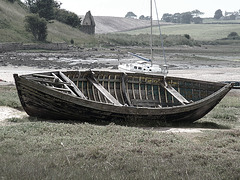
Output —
(145, 65)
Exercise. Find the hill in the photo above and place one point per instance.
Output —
(11, 22)
(107, 24)
(12, 27)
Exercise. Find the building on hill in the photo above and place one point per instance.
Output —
(231, 15)
(88, 24)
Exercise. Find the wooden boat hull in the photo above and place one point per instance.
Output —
(41, 101)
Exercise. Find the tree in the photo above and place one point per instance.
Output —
(218, 14)
(43, 7)
(67, 17)
(186, 18)
(167, 17)
(196, 13)
(37, 26)
(130, 15)
(142, 17)
(197, 20)
(176, 18)
(31, 5)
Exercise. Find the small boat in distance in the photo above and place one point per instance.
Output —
(142, 66)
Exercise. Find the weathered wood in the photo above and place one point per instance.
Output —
(124, 90)
(66, 86)
(76, 90)
(103, 91)
(175, 94)
(145, 103)
(48, 81)
(43, 76)
(60, 89)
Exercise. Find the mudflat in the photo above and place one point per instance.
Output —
(211, 62)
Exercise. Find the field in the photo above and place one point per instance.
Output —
(33, 148)
(201, 32)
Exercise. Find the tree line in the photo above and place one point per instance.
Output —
(184, 18)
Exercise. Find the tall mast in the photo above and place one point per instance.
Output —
(151, 38)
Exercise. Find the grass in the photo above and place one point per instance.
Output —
(200, 32)
(45, 150)
(9, 97)
(32, 148)
(142, 40)
(11, 22)
(12, 27)
(226, 113)
(212, 20)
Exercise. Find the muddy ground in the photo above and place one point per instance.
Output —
(181, 57)
(217, 63)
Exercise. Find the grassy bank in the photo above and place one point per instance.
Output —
(12, 28)
(36, 149)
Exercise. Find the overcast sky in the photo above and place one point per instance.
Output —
(119, 8)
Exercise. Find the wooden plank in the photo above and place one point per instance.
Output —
(133, 91)
(145, 103)
(139, 88)
(175, 93)
(124, 90)
(115, 88)
(76, 90)
(43, 76)
(48, 81)
(104, 91)
(60, 89)
(64, 84)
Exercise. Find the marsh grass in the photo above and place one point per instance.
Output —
(9, 97)
(45, 150)
(226, 113)
(33, 148)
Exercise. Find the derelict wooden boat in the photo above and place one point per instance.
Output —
(117, 96)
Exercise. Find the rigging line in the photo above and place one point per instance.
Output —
(151, 38)
(164, 56)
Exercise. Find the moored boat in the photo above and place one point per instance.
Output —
(95, 95)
